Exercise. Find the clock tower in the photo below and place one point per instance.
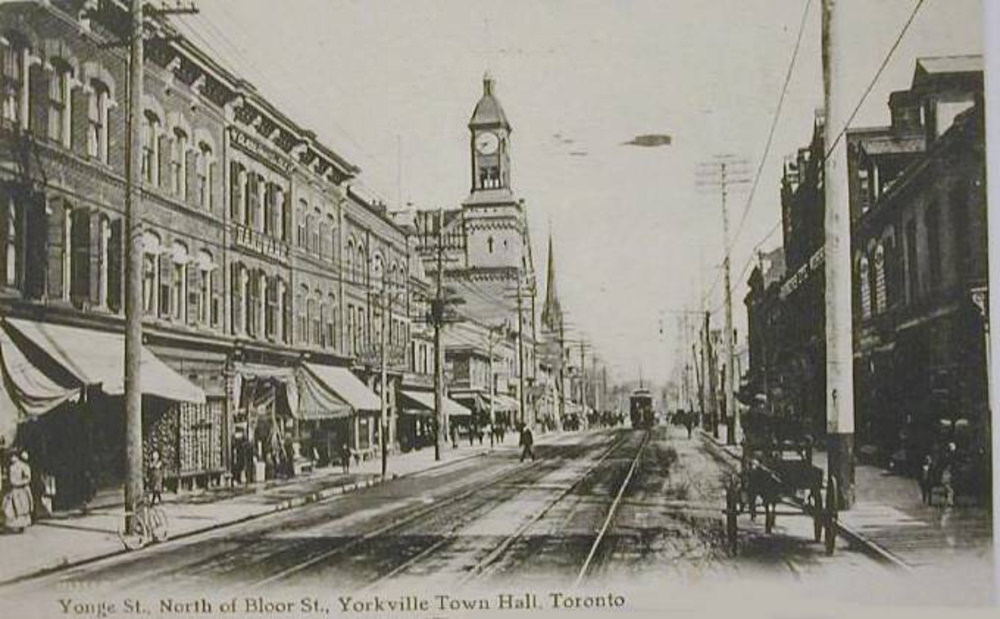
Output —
(493, 217)
(490, 142)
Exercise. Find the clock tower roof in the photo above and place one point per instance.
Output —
(488, 112)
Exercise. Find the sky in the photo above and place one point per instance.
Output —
(391, 85)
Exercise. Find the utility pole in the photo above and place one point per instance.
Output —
(490, 342)
(133, 38)
(723, 173)
(562, 373)
(583, 375)
(713, 398)
(839, 355)
(133, 273)
(437, 315)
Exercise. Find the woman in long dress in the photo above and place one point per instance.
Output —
(17, 500)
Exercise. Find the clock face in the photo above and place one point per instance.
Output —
(486, 143)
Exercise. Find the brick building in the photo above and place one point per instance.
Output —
(266, 278)
(918, 211)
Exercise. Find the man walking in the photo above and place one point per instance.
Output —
(527, 443)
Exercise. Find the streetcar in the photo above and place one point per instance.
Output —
(641, 410)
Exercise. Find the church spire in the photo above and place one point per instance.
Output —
(552, 318)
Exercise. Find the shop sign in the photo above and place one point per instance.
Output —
(251, 240)
(259, 151)
(805, 271)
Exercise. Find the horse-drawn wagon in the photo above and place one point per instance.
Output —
(777, 468)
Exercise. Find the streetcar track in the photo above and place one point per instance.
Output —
(612, 510)
(497, 551)
(398, 524)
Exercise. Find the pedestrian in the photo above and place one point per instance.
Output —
(689, 422)
(345, 457)
(527, 443)
(155, 478)
(947, 475)
(926, 479)
(17, 500)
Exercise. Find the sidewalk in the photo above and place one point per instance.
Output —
(889, 518)
(73, 538)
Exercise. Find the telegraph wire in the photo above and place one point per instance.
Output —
(774, 125)
(875, 78)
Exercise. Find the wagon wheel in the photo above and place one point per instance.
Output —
(732, 500)
(816, 509)
(831, 514)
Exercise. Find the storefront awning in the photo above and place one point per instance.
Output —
(346, 386)
(316, 400)
(96, 358)
(425, 401)
(504, 403)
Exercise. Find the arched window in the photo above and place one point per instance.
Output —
(97, 121)
(360, 264)
(301, 213)
(178, 282)
(331, 320)
(378, 272)
(205, 170)
(59, 101)
(312, 317)
(178, 163)
(301, 304)
(349, 261)
(150, 273)
(14, 90)
(489, 244)
(206, 268)
(332, 231)
(271, 307)
(314, 224)
(150, 147)
(865, 282)
(879, 288)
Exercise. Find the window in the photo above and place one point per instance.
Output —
(59, 101)
(236, 173)
(13, 82)
(360, 264)
(178, 282)
(315, 320)
(271, 308)
(912, 274)
(178, 157)
(314, 235)
(879, 288)
(205, 170)
(378, 273)
(150, 148)
(865, 283)
(97, 121)
(349, 260)
(104, 257)
(269, 210)
(12, 240)
(206, 266)
(932, 222)
(254, 302)
(332, 227)
(300, 305)
(150, 273)
(864, 189)
(331, 320)
(489, 244)
(303, 237)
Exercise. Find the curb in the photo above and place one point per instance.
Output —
(285, 505)
(868, 546)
